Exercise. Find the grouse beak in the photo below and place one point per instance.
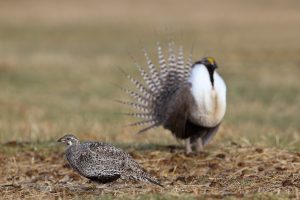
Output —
(216, 66)
(61, 139)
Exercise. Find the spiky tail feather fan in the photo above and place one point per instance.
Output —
(159, 85)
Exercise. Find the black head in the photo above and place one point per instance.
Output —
(68, 139)
(209, 62)
(211, 66)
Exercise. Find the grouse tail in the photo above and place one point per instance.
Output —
(159, 83)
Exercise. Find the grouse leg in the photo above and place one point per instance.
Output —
(199, 145)
(188, 146)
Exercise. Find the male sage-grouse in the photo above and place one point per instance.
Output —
(189, 99)
(103, 163)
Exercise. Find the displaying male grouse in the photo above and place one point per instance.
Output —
(187, 99)
(102, 162)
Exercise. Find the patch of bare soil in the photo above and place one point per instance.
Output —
(232, 170)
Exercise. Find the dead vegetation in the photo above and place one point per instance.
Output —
(232, 170)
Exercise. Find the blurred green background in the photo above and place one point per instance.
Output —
(58, 61)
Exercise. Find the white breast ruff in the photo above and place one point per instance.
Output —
(210, 106)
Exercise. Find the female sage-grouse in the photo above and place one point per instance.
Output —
(103, 162)
(189, 99)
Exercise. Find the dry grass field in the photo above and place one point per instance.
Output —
(58, 67)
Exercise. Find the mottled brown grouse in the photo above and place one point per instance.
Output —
(103, 163)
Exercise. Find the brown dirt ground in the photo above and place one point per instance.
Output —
(232, 170)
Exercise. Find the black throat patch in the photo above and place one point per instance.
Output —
(211, 70)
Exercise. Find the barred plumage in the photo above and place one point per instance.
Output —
(103, 163)
(162, 63)
(135, 105)
(153, 72)
(146, 77)
(187, 98)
